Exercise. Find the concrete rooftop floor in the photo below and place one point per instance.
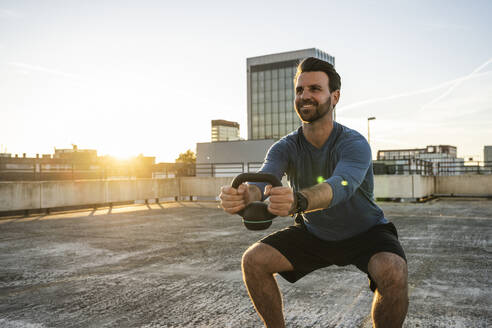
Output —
(178, 265)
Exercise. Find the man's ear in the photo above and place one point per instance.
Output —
(335, 97)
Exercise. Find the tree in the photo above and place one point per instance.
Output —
(188, 157)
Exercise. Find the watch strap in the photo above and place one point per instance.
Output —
(301, 202)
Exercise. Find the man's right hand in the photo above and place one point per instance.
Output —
(233, 200)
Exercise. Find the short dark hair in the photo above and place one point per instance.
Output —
(312, 64)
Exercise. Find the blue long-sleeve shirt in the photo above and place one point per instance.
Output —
(344, 162)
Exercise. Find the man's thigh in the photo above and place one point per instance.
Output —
(303, 250)
(381, 239)
(265, 258)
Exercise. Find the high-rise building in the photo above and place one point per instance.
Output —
(225, 130)
(271, 96)
(487, 156)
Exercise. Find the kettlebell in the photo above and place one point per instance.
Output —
(256, 215)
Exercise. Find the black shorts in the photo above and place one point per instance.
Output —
(307, 253)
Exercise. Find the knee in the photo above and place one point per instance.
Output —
(261, 258)
(248, 259)
(390, 272)
(252, 259)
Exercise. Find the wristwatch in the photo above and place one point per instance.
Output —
(301, 202)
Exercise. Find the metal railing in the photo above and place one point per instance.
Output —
(431, 168)
(391, 167)
(402, 167)
(254, 167)
(73, 171)
(226, 169)
(219, 169)
(36, 170)
(469, 167)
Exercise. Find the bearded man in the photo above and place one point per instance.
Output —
(337, 222)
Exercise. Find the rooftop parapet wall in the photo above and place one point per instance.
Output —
(16, 196)
(19, 195)
(464, 185)
(203, 186)
(403, 186)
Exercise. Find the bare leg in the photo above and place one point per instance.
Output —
(259, 264)
(390, 304)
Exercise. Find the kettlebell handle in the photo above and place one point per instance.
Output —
(256, 215)
(256, 177)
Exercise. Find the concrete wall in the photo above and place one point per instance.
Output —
(403, 186)
(393, 186)
(49, 194)
(67, 193)
(19, 195)
(466, 185)
(202, 186)
(423, 186)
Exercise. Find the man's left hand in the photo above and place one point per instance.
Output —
(281, 200)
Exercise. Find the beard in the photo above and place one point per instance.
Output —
(311, 116)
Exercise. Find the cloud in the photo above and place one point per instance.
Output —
(456, 83)
(451, 84)
(7, 13)
(446, 26)
(457, 112)
(45, 70)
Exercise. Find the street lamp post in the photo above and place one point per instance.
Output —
(368, 130)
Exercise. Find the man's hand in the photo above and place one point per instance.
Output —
(281, 200)
(233, 200)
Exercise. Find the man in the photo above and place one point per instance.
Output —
(329, 168)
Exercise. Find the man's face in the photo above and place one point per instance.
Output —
(313, 97)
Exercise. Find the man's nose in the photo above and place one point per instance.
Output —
(305, 94)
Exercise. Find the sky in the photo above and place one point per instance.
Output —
(147, 77)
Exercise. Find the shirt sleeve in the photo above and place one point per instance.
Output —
(276, 162)
(350, 171)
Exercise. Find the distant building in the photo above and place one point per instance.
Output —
(223, 130)
(76, 154)
(429, 152)
(270, 84)
(487, 156)
(230, 158)
(73, 164)
(442, 159)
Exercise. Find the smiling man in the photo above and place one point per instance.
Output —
(337, 222)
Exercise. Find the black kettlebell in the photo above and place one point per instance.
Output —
(256, 215)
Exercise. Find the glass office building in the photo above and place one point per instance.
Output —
(271, 112)
(223, 130)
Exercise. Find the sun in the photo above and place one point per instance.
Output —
(119, 154)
